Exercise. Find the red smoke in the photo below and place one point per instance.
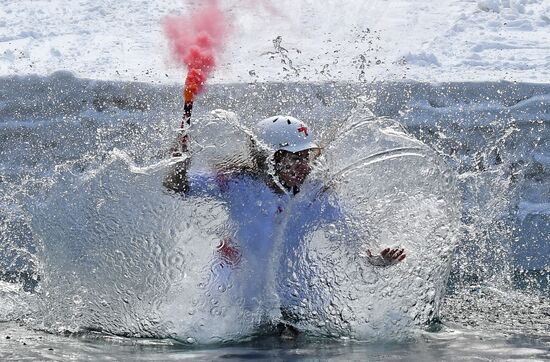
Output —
(195, 41)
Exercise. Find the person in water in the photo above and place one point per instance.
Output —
(258, 197)
(282, 173)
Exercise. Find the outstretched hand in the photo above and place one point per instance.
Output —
(387, 257)
(229, 252)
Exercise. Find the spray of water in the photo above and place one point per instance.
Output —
(106, 248)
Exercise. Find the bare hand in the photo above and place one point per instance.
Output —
(229, 252)
(387, 257)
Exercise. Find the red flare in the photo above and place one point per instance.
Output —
(193, 84)
(196, 40)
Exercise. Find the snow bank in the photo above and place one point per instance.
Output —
(286, 40)
(517, 6)
(422, 59)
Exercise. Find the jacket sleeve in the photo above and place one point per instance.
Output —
(176, 179)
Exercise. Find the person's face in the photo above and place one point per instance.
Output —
(292, 168)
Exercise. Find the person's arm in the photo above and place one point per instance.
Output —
(176, 180)
(333, 213)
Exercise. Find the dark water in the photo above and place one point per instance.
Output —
(58, 131)
(449, 344)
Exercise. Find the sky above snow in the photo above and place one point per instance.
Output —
(284, 40)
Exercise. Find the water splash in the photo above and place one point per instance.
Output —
(97, 215)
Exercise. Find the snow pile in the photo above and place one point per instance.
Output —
(506, 39)
(286, 40)
(422, 59)
(517, 6)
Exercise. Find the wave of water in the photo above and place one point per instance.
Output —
(97, 244)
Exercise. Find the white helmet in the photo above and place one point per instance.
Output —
(285, 133)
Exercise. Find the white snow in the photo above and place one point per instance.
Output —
(446, 40)
(423, 59)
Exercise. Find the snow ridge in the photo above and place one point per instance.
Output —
(448, 40)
